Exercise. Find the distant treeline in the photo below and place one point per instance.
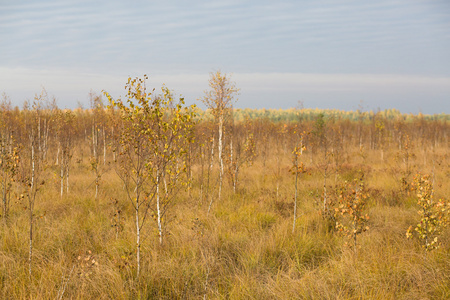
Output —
(309, 114)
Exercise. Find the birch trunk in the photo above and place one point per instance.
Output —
(220, 155)
(158, 208)
(67, 178)
(138, 230)
(104, 147)
(209, 175)
(31, 206)
(62, 178)
(295, 196)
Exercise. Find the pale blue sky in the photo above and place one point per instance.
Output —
(328, 54)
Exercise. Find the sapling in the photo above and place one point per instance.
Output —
(153, 144)
(9, 155)
(406, 155)
(280, 139)
(117, 220)
(434, 214)
(219, 99)
(133, 146)
(320, 132)
(350, 217)
(242, 151)
(171, 133)
(297, 169)
(33, 164)
(9, 163)
(65, 132)
(98, 140)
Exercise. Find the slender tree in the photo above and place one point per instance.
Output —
(242, 151)
(350, 217)
(65, 131)
(297, 169)
(435, 214)
(98, 139)
(219, 99)
(172, 134)
(153, 144)
(134, 149)
(32, 166)
(321, 140)
(9, 156)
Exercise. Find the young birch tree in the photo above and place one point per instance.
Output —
(152, 150)
(98, 139)
(219, 99)
(435, 214)
(9, 156)
(320, 132)
(297, 169)
(32, 166)
(65, 135)
(242, 151)
(172, 134)
(349, 214)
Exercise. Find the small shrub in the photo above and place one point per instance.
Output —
(434, 215)
(349, 214)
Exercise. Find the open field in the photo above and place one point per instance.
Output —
(246, 247)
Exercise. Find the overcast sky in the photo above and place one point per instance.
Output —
(325, 53)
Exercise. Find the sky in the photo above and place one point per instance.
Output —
(337, 54)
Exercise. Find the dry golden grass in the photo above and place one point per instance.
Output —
(244, 249)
